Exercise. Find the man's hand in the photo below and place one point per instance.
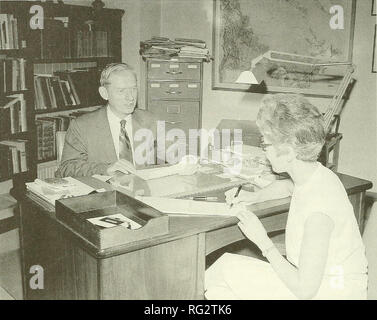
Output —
(253, 229)
(121, 165)
(243, 196)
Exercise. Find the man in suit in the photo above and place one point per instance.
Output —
(103, 141)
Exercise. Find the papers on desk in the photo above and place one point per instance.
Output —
(187, 166)
(250, 163)
(154, 173)
(58, 188)
(114, 220)
(187, 207)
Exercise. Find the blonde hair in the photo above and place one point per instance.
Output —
(111, 68)
(291, 119)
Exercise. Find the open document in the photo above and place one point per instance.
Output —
(181, 206)
(186, 166)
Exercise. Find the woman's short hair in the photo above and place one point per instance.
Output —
(114, 67)
(291, 119)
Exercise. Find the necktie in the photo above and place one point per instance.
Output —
(125, 149)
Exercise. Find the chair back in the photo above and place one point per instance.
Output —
(60, 138)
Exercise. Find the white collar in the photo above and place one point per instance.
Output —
(114, 118)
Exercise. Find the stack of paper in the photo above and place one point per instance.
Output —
(180, 206)
(59, 188)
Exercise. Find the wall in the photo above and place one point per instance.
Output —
(193, 18)
(359, 146)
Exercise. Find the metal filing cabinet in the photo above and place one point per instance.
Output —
(174, 93)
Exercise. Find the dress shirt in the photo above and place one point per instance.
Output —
(114, 123)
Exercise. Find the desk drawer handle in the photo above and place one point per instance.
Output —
(173, 122)
(174, 72)
(173, 92)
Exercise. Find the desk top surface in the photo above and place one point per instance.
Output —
(184, 226)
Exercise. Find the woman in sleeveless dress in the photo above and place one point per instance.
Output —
(325, 253)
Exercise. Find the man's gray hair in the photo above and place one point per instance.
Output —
(114, 67)
(291, 119)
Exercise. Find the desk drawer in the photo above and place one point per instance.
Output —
(169, 70)
(176, 114)
(173, 90)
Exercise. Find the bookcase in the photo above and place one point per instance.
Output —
(54, 76)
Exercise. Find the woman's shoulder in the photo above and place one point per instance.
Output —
(327, 181)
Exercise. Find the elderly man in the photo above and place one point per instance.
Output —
(101, 141)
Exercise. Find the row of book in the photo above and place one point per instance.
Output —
(67, 88)
(13, 158)
(182, 47)
(59, 39)
(91, 44)
(47, 127)
(13, 118)
(12, 74)
(8, 32)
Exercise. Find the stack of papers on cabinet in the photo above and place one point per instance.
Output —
(53, 189)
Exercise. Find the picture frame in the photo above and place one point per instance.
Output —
(233, 54)
(374, 57)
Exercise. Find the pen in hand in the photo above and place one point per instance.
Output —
(236, 195)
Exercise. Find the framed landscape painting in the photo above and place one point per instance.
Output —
(278, 43)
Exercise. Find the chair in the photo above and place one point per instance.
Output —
(60, 138)
(330, 152)
(370, 242)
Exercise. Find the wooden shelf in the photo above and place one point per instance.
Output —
(46, 160)
(70, 108)
(12, 52)
(19, 135)
(8, 93)
(67, 60)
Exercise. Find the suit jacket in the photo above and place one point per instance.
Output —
(89, 147)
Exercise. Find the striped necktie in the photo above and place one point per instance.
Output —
(125, 149)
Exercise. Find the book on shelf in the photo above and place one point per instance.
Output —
(9, 38)
(55, 91)
(91, 43)
(84, 85)
(47, 127)
(51, 42)
(13, 157)
(67, 88)
(12, 73)
(13, 118)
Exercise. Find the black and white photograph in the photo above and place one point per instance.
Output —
(195, 151)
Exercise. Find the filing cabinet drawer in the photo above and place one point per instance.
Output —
(170, 70)
(174, 90)
(182, 115)
(177, 114)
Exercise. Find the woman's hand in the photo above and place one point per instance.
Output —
(253, 229)
(243, 196)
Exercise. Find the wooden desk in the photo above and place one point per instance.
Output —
(165, 267)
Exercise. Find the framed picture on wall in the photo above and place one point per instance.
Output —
(271, 46)
(374, 8)
(374, 59)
